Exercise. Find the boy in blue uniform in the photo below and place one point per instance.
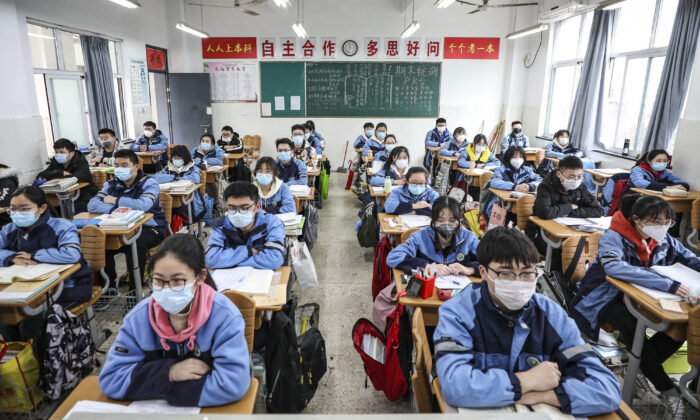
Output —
(208, 153)
(180, 167)
(457, 146)
(318, 144)
(561, 147)
(498, 342)
(303, 150)
(514, 138)
(376, 142)
(436, 138)
(152, 140)
(245, 236)
(292, 171)
(366, 135)
(415, 197)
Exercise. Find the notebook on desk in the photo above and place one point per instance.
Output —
(38, 272)
(23, 291)
(678, 272)
(248, 280)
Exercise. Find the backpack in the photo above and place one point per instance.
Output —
(484, 197)
(611, 200)
(309, 232)
(240, 172)
(220, 202)
(458, 190)
(560, 283)
(381, 274)
(368, 232)
(67, 351)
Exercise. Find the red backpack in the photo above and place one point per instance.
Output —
(620, 188)
(381, 275)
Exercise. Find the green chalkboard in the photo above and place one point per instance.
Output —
(366, 89)
(282, 79)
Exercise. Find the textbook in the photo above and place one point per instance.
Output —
(300, 190)
(119, 219)
(414, 220)
(293, 223)
(37, 272)
(678, 272)
(23, 291)
(248, 280)
(182, 186)
(592, 224)
(59, 184)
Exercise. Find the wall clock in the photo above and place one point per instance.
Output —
(350, 48)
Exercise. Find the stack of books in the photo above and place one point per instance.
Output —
(120, 219)
(58, 185)
(182, 186)
(20, 284)
(293, 223)
(300, 190)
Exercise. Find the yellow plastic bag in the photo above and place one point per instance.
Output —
(19, 378)
(474, 223)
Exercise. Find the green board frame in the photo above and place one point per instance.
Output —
(284, 79)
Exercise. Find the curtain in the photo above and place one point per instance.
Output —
(675, 77)
(586, 120)
(100, 86)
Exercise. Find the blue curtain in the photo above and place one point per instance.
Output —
(100, 86)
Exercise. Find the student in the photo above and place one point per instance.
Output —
(315, 133)
(69, 162)
(131, 188)
(376, 143)
(207, 154)
(637, 239)
(651, 172)
(514, 138)
(562, 194)
(457, 145)
(498, 342)
(478, 155)
(292, 171)
(445, 242)
(512, 175)
(360, 141)
(185, 343)
(230, 142)
(389, 144)
(9, 181)
(103, 154)
(245, 236)
(415, 197)
(151, 140)
(318, 144)
(395, 167)
(436, 138)
(303, 150)
(275, 196)
(561, 147)
(181, 166)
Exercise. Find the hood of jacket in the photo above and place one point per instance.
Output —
(276, 185)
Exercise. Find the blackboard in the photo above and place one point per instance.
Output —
(282, 79)
(365, 89)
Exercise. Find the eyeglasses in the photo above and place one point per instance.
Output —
(240, 209)
(23, 210)
(283, 150)
(416, 185)
(658, 222)
(175, 285)
(511, 276)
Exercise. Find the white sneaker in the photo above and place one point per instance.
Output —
(675, 407)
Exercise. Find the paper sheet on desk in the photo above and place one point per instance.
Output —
(85, 406)
(656, 294)
(414, 220)
(159, 407)
(244, 279)
(452, 282)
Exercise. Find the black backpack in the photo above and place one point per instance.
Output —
(368, 233)
(240, 172)
(292, 371)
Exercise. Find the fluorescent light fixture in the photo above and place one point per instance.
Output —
(410, 29)
(192, 30)
(527, 31)
(40, 36)
(131, 4)
(443, 4)
(282, 3)
(299, 30)
(612, 4)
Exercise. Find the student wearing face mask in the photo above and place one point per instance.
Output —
(561, 147)
(389, 145)
(512, 175)
(376, 142)
(303, 150)
(395, 167)
(245, 235)
(315, 133)
(207, 154)
(436, 137)
(151, 140)
(651, 172)
(313, 141)
(185, 343)
(445, 242)
(230, 142)
(498, 342)
(367, 133)
(180, 167)
(457, 145)
(478, 155)
(67, 161)
(415, 197)
(637, 240)
(103, 154)
(275, 196)
(292, 171)
(514, 138)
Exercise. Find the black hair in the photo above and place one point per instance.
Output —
(186, 249)
(149, 124)
(480, 137)
(106, 131)
(651, 154)
(442, 203)
(311, 125)
(368, 124)
(181, 152)
(34, 194)
(308, 127)
(416, 170)
(269, 162)
(504, 246)
(645, 207)
(210, 137)
(380, 125)
(64, 144)
(512, 151)
(515, 122)
(570, 162)
(298, 127)
(126, 153)
(560, 132)
(227, 128)
(390, 135)
(239, 189)
(395, 152)
(459, 130)
(284, 141)
(440, 120)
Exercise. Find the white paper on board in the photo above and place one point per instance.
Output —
(266, 110)
(294, 103)
(279, 103)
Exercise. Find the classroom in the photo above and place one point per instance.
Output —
(482, 209)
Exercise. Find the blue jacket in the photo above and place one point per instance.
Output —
(478, 350)
(433, 139)
(293, 172)
(317, 143)
(279, 199)
(553, 150)
(452, 147)
(191, 173)
(214, 157)
(617, 258)
(511, 140)
(641, 178)
(137, 366)
(373, 144)
(378, 179)
(229, 247)
(466, 162)
(142, 195)
(423, 248)
(53, 241)
(400, 201)
(360, 141)
(158, 142)
(504, 178)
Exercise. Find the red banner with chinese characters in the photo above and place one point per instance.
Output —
(230, 48)
(156, 59)
(471, 48)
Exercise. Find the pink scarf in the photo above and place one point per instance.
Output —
(199, 314)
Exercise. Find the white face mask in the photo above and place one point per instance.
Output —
(461, 138)
(401, 163)
(147, 133)
(441, 129)
(517, 162)
(656, 232)
(564, 141)
(570, 184)
(514, 294)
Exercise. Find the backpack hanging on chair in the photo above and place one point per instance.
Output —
(381, 274)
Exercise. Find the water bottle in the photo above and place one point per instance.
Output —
(387, 185)
(626, 148)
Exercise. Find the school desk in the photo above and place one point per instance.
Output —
(393, 232)
(212, 173)
(453, 160)
(186, 199)
(649, 315)
(299, 199)
(118, 238)
(512, 204)
(472, 178)
(3, 210)
(554, 233)
(600, 178)
(379, 196)
(313, 175)
(89, 389)
(358, 149)
(65, 199)
(150, 157)
(14, 312)
(231, 159)
(531, 153)
(678, 204)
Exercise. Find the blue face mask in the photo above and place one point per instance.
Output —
(369, 133)
(389, 147)
(284, 156)
(174, 301)
(298, 140)
(241, 219)
(264, 179)
(23, 219)
(61, 158)
(416, 189)
(381, 135)
(178, 163)
(307, 135)
(205, 146)
(659, 166)
(122, 174)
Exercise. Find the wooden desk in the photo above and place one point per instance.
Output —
(394, 231)
(600, 178)
(379, 196)
(473, 179)
(14, 312)
(531, 153)
(3, 210)
(89, 389)
(553, 234)
(186, 199)
(321, 158)
(678, 204)
(358, 149)
(149, 157)
(65, 199)
(299, 199)
(212, 173)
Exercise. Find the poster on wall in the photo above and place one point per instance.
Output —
(157, 59)
(138, 72)
(233, 82)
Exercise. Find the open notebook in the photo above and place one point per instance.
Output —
(248, 280)
(682, 274)
(38, 272)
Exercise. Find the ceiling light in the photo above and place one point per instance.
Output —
(410, 29)
(527, 31)
(131, 4)
(192, 30)
(299, 30)
(282, 3)
(612, 4)
(443, 4)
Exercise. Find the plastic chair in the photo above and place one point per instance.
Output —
(693, 337)
(407, 234)
(99, 178)
(524, 209)
(246, 305)
(421, 379)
